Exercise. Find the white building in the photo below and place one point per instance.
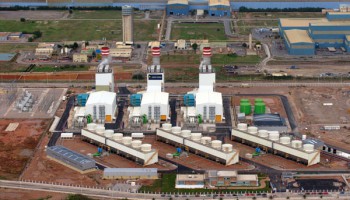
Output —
(104, 78)
(101, 106)
(155, 105)
(209, 105)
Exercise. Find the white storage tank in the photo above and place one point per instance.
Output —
(253, 130)
(91, 126)
(146, 147)
(303, 137)
(100, 129)
(176, 130)
(127, 140)
(308, 147)
(249, 155)
(166, 126)
(227, 147)
(186, 133)
(242, 127)
(136, 144)
(205, 140)
(196, 136)
(263, 133)
(216, 144)
(118, 137)
(285, 140)
(274, 135)
(297, 143)
(109, 133)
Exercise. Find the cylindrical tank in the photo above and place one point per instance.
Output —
(263, 133)
(285, 140)
(196, 136)
(308, 147)
(127, 140)
(244, 101)
(186, 133)
(258, 100)
(205, 140)
(249, 155)
(303, 137)
(245, 108)
(169, 155)
(274, 135)
(100, 129)
(176, 130)
(259, 108)
(146, 147)
(297, 143)
(166, 126)
(227, 147)
(216, 144)
(117, 137)
(91, 126)
(242, 127)
(136, 144)
(253, 130)
(109, 133)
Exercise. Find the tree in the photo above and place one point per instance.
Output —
(30, 39)
(194, 47)
(70, 11)
(75, 45)
(244, 45)
(22, 19)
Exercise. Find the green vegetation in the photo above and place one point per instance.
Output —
(306, 9)
(181, 74)
(78, 197)
(103, 14)
(210, 31)
(258, 23)
(14, 48)
(234, 59)
(77, 30)
(167, 184)
(60, 68)
(180, 59)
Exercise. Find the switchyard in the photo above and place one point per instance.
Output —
(31, 102)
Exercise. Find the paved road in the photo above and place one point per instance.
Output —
(105, 193)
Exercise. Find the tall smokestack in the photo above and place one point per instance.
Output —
(105, 52)
(206, 56)
(156, 55)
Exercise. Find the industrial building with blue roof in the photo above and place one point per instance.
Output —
(177, 7)
(304, 36)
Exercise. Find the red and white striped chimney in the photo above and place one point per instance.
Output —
(105, 51)
(206, 55)
(156, 55)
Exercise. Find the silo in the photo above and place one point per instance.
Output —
(242, 127)
(258, 100)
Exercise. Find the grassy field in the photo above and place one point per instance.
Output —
(103, 14)
(60, 68)
(276, 15)
(258, 23)
(180, 59)
(13, 48)
(12, 67)
(76, 30)
(217, 59)
(210, 31)
(167, 184)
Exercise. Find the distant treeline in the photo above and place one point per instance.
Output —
(306, 9)
(16, 8)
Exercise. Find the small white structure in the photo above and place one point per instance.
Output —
(104, 78)
(66, 135)
(101, 105)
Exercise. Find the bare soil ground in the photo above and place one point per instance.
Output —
(44, 15)
(17, 147)
(16, 194)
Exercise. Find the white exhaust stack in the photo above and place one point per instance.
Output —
(156, 55)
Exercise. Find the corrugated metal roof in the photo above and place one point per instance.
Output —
(298, 36)
(71, 155)
(300, 22)
(101, 97)
(331, 23)
(155, 98)
(268, 120)
(339, 13)
(131, 170)
(177, 2)
(219, 3)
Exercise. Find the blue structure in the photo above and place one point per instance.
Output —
(189, 100)
(82, 99)
(303, 36)
(177, 7)
(135, 99)
(219, 8)
(347, 43)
